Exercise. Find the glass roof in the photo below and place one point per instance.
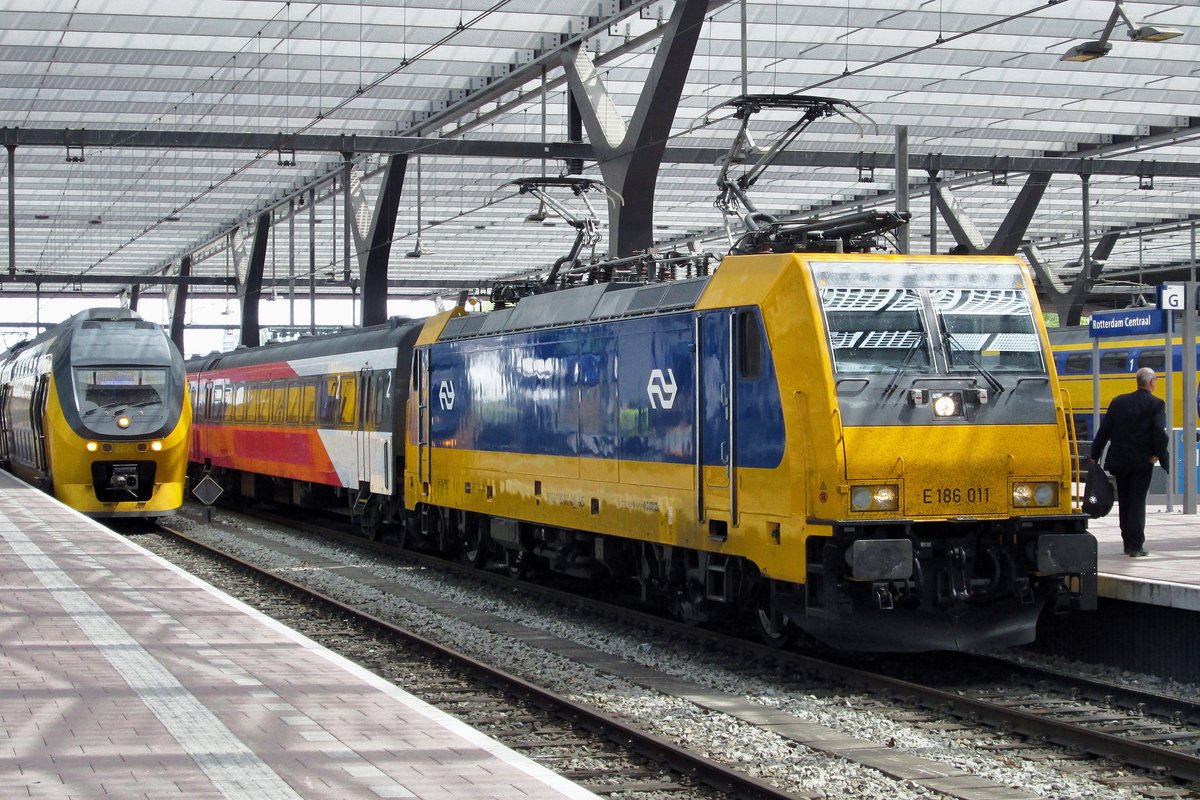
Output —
(964, 80)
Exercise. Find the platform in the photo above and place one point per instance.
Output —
(122, 676)
(1169, 576)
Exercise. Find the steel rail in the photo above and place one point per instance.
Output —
(694, 766)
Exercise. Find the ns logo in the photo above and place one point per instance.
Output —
(661, 389)
(446, 395)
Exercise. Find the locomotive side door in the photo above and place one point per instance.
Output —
(715, 479)
(424, 450)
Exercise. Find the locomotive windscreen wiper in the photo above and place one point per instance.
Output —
(950, 342)
(105, 407)
(902, 367)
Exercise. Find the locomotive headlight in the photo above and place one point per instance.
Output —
(1035, 495)
(884, 497)
(947, 404)
(123, 422)
(156, 445)
(93, 447)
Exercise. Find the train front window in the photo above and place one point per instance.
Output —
(991, 329)
(115, 388)
(875, 329)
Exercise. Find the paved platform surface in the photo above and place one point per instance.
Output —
(123, 677)
(1169, 576)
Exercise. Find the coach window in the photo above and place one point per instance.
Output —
(239, 403)
(1078, 363)
(216, 407)
(308, 402)
(750, 346)
(293, 402)
(1154, 359)
(327, 401)
(381, 388)
(252, 402)
(1115, 361)
(278, 402)
(348, 401)
(264, 403)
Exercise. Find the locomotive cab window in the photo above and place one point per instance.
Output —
(750, 346)
(102, 389)
(876, 330)
(991, 329)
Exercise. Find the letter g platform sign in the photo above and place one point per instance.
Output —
(1170, 296)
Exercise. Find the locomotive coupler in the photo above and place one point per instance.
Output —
(124, 478)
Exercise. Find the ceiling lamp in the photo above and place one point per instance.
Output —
(1138, 33)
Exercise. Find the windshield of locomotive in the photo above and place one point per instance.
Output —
(989, 328)
(115, 388)
(891, 316)
(876, 329)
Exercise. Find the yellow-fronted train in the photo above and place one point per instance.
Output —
(95, 411)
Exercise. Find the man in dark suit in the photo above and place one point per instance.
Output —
(1135, 430)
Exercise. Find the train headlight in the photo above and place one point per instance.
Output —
(123, 422)
(93, 447)
(156, 445)
(1035, 495)
(885, 497)
(947, 404)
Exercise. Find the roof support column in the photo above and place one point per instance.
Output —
(177, 298)
(1007, 239)
(12, 209)
(630, 157)
(902, 234)
(1069, 301)
(249, 274)
(347, 213)
(375, 248)
(933, 212)
(135, 291)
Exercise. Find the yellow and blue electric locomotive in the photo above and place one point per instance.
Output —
(95, 412)
(869, 449)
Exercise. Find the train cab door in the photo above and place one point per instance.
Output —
(5, 426)
(37, 420)
(716, 471)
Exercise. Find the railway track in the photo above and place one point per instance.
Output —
(600, 752)
(1035, 714)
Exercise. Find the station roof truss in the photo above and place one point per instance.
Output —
(141, 134)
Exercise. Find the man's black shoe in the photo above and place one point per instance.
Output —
(1137, 553)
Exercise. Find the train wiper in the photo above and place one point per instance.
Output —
(951, 342)
(902, 367)
(105, 407)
